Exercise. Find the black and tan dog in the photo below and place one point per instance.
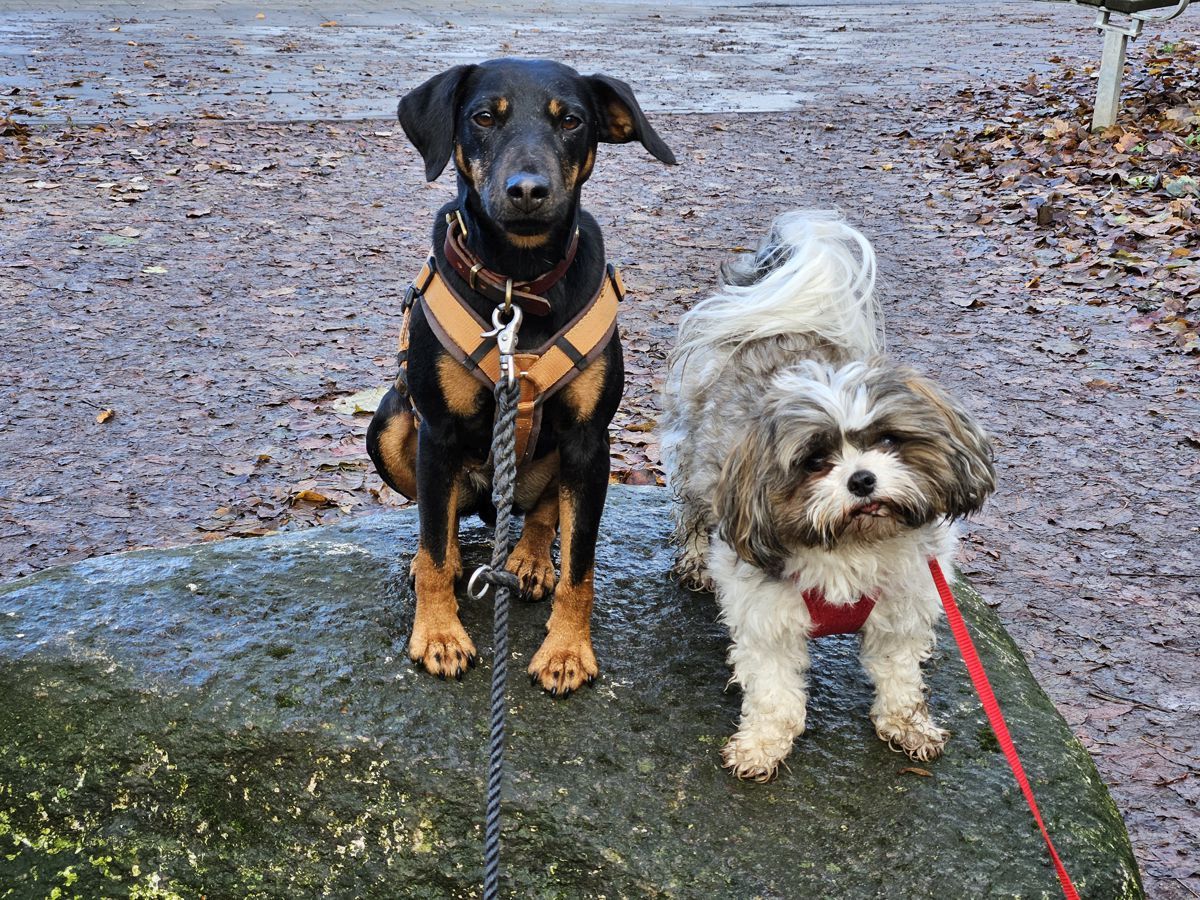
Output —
(523, 135)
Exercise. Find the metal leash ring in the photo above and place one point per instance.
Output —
(475, 590)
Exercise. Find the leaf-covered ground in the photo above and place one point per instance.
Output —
(1076, 271)
(1115, 213)
(193, 307)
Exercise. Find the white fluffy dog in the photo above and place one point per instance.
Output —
(815, 480)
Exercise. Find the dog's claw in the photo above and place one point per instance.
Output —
(441, 653)
(563, 663)
(691, 571)
(755, 754)
(536, 573)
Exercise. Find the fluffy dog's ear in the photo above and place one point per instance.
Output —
(622, 119)
(742, 503)
(427, 115)
(970, 476)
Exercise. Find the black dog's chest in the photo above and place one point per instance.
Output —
(454, 362)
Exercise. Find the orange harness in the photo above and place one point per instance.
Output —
(543, 372)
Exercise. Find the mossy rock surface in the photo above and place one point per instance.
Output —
(240, 720)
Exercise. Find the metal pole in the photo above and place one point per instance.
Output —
(1112, 67)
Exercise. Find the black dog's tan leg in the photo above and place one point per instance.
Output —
(565, 661)
(439, 642)
(530, 560)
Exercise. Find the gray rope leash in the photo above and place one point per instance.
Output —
(504, 456)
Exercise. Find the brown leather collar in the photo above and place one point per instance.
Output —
(498, 288)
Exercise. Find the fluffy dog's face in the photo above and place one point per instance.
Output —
(849, 455)
(523, 134)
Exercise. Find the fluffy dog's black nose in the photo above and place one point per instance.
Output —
(861, 483)
(527, 191)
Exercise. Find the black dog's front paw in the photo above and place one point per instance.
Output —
(564, 663)
(444, 652)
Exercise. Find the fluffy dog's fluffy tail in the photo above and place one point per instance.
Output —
(813, 276)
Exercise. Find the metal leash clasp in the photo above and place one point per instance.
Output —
(505, 334)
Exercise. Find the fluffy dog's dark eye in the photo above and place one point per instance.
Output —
(484, 119)
(814, 462)
(570, 123)
(888, 442)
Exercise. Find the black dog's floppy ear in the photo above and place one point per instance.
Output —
(622, 120)
(427, 115)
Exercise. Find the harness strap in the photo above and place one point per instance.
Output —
(570, 351)
(828, 618)
(543, 371)
(410, 299)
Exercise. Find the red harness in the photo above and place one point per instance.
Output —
(830, 618)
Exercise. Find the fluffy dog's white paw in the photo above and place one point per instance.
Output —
(755, 754)
(912, 732)
(692, 572)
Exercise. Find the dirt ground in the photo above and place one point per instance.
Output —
(204, 244)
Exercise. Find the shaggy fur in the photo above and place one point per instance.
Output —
(802, 458)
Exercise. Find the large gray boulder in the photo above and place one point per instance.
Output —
(240, 720)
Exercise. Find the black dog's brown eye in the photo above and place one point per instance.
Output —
(570, 123)
(484, 119)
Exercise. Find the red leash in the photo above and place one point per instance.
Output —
(995, 718)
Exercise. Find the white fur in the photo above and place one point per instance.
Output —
(769, 623)
(792, 348)
(825, 288)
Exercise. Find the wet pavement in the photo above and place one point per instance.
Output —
(116, 61)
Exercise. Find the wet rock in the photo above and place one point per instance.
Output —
(240, 720)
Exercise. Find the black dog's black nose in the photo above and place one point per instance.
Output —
(861, 483)
(527, 191)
